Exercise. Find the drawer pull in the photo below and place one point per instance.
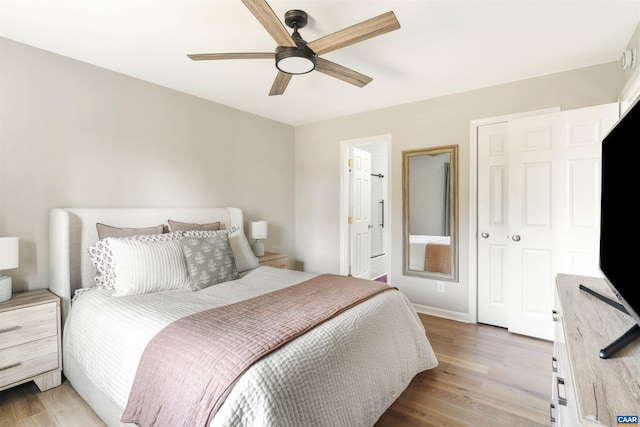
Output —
(562, 392)
(11, 366)
(13, 328)
(554, 315)
(554, 364)
(552, 409)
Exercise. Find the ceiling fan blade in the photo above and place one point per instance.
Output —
(248, 55)
(343, 73)
(373, 27)
(265, 15)
(280, 83)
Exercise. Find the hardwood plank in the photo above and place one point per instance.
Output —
(486, 377)
(26, 406)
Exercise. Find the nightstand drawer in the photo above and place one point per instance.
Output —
(29, 324)
(273, 259)
(28, 360)
(278, 263)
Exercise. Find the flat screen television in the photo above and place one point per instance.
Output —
(619, 260)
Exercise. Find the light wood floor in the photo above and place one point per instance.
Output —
(485, 377)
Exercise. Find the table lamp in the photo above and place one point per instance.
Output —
(8, 260)
(257, 231)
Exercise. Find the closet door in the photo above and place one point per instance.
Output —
(553, 211)
(532, 186)
(493, 223)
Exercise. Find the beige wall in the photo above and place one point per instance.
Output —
(74, 135)
(428, 123)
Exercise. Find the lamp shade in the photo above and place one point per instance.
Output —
(8, 260)
(258, 230)
(8, 253)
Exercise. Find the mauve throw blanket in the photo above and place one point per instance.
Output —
(189, 368)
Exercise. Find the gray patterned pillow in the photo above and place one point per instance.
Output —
(209, 260)
(244, 256)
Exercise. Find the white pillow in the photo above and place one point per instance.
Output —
(102, 258)
(142, 267)
(245, 258)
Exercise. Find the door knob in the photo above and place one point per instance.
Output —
(515, 238)
(485, 235)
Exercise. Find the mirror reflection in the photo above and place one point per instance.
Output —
(430, 212)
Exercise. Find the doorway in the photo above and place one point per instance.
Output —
(373, 227)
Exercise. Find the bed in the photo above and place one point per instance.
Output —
(345, 370)
(430, 253)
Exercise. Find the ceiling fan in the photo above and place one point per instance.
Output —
(293, 55)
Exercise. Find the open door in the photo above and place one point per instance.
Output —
(360, 213)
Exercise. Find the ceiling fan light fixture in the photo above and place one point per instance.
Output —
(293, 60)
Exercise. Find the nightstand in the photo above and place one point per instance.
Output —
(273, 259)
(30, 340)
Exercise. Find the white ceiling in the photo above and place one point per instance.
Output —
(442, 47)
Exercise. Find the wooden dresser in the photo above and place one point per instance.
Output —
(273, 259)
(588, 390)
(30, 340)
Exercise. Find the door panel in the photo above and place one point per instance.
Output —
(582, 132)
(493, 150)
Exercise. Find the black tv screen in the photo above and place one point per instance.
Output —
(619, 261)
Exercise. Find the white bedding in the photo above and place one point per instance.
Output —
(345, 372)
(332, 375)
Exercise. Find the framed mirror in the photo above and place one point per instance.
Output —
(430, 212)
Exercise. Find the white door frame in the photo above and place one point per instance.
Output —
(473, 199)
(345, 148)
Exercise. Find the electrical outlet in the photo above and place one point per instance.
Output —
(440, 286)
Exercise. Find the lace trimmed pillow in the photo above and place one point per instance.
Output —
(101, 255)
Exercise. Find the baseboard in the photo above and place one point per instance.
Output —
(439, 312)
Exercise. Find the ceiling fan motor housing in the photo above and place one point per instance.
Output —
(296, 18)
(299, 59)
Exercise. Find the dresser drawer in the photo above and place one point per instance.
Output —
(28, 360)
(28, 324)
(562, 392)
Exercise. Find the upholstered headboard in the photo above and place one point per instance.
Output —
(73, 230)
